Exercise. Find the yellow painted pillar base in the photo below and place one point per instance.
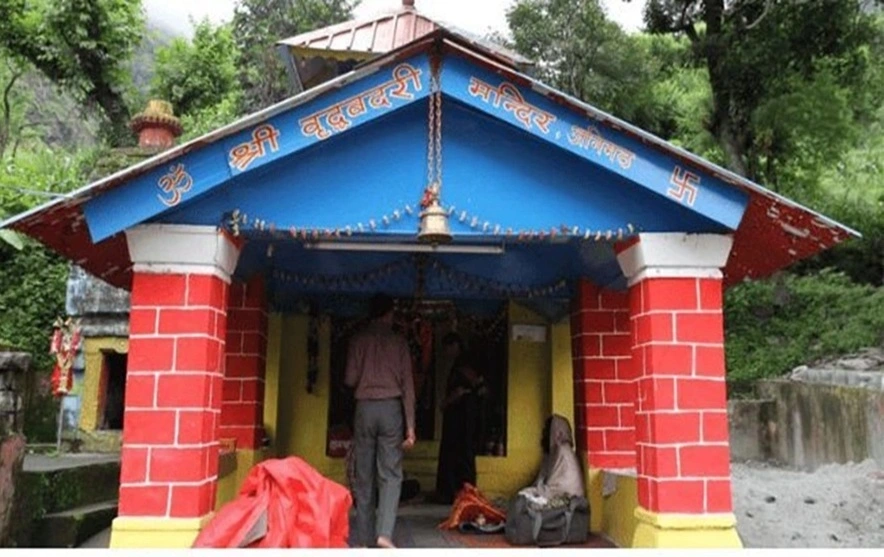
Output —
(155, 533)
(685, 531)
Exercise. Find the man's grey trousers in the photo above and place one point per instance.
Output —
(378, 440)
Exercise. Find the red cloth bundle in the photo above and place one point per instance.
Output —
(282, 504)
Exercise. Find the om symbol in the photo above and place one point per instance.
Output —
(174, 184)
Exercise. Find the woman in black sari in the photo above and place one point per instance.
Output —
(457, 449)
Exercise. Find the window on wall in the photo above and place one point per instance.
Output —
(425, 325)
(114, 388)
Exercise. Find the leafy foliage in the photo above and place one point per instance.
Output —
(258, 24)
(81, 45)
(757, 54)
(199, 74)
(578, 50)
(775, 325)
(32, 280)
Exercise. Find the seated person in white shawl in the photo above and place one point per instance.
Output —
(561, 476)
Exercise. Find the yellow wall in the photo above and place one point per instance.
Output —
(562, 375)
(91, 404)
(232, 471)
(271, 378)
(528, 405)
(612, 515)
(302, 418)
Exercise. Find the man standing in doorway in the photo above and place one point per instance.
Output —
(379, 369)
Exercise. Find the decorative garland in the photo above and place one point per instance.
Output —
(239, 222)
(486, 285)
(342, 282)
(493, 327)
(471, 282)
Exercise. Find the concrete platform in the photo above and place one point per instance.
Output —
(47, 463)
(416, 527)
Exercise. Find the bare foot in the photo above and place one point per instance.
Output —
(385, 543)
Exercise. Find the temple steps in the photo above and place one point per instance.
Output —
(65, 499)
(73, 527)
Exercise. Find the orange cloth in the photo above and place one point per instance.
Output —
(468, 506)
(282, 504)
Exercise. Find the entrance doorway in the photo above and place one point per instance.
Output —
(113, 392)
(425, 324)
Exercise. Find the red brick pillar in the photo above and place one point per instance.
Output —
(681, 408)
(604, 387)
(174, 383)
(242, 411)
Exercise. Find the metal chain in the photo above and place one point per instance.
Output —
(439, 139)
(434, 135)
(431, 138)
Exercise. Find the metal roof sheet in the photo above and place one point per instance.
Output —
(387, 32)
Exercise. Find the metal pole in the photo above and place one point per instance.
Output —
(60, 424)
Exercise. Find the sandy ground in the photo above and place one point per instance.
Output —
(838, 505)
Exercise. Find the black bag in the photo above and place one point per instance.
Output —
(546, 527)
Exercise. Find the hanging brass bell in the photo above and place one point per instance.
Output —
(434, 227)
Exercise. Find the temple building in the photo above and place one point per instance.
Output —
(586, 256)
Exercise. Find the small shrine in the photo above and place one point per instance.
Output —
(586, 256)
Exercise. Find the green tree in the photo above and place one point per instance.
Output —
(12, 105)
(83, 46)
(259, 24)
(764, 56)
(578, 50)
(198, 74)
(32, 280)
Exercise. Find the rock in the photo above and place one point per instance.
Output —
(857, 364)
(12, 455)
(770, 499)
(798, 372)
(14, 361)
(749, 514)
(810, 500)
(834, 538)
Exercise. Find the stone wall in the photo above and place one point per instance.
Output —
(818, 424)
(103, 310)
(752, 425)
(832, 412)
(13, 365)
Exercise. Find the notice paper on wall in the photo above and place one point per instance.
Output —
(529, 333)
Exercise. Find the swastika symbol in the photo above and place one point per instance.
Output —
(685, 186)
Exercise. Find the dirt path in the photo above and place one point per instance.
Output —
(839, 505)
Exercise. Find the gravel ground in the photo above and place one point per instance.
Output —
(838, 505)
